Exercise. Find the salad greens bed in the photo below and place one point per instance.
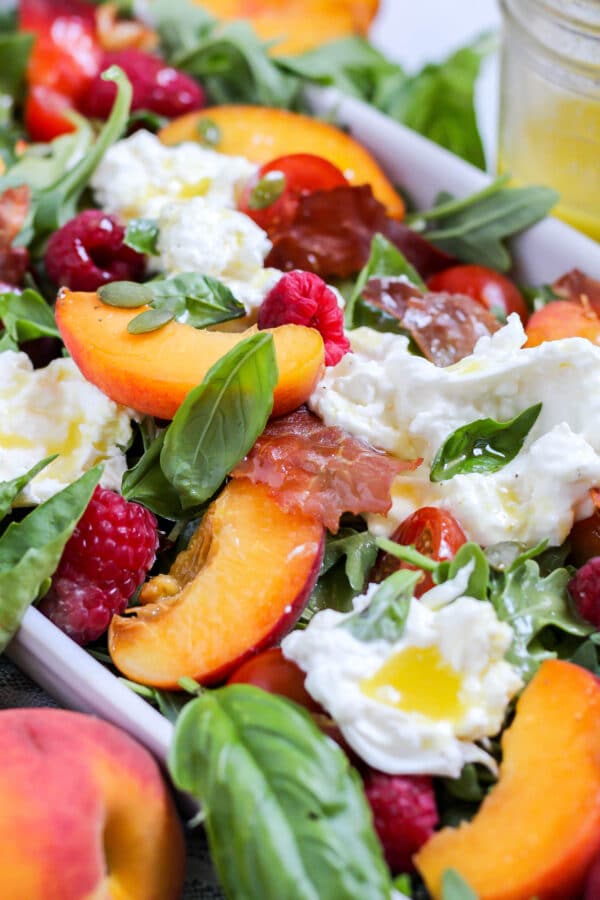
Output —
(282, 805)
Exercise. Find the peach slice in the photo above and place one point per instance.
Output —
(538, 830)
(240, 585)
(298, 25)
(261, 134)
(153, 372)
(84, 812)
(562, 319)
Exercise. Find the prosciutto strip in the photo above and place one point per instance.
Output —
(445, 327)
(575, 285)
(321, 470)
(14, 205)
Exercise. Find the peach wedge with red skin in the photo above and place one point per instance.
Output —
(84, 812)
(538, 830)
(240, 586)
(153, 372)
(261, 134)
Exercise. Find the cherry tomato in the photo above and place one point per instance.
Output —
(433, 532)
(302, 173)
(44, 117)
(493, 290)
(272, 672)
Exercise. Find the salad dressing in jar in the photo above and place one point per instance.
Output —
(550, 102)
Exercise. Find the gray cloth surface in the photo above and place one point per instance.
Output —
(17, 690)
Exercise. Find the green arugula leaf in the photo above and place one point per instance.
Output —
(531, 604)
(30, 550)
(385, 616)
(479, 579)
(483, 446)
(220, 420)
(58, 179)
(385, 260)
(168, 703)
(454, 887)
(286, 815)
(475, 228)
(180, 24)
(14, 55)
(10, 490)
(539, 296)
(27, 316)
(142, 235)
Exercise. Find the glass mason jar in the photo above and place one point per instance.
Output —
(550, 102)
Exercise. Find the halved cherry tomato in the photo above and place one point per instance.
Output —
(44, 110)
(490, 288)
(302, 173)
(433, 532)
(271, 671)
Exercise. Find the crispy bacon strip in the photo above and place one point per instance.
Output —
(14, 204)
(321, 470)
(444, 326)
(331, 234)
(576, 285)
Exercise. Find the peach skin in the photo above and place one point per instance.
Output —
(538, 830)
(84, 812)
(240, 586)
(563, 319)
(261, 134)
(153, 372)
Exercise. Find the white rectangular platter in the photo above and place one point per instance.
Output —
(546, 251)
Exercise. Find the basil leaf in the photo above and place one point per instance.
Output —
(197, 300)
(27, 316)
(30, 550)
(14, 56)
(10, 490)
(219, 421)
(385, 616)
(483, 446)
(286, 815)
(475, 228)
(454, 887)
(385, 260)
(532, 604)
(142, 235)
(146, 483)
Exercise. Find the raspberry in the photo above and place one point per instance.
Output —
(89, 251)
(301, 298)
(104, 562)
(584, 588)
(157, 86)
(404, 814)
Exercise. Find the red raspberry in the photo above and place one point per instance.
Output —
(157, 87)
(104, 562)
(584, 588)
(302, 298)
(89, 251)
(404, 814)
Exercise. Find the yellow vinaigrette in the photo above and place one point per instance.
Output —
(421, 681)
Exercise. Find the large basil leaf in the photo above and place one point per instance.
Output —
(385, 616)
(475, 228)
(27, 316)
(286, 816)
(220, 420)
(30, 550)
(10, 490)
(385, 260)
(483, 446)
(531, 604)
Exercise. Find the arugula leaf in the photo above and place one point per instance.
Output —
(531, 604)
(220, 420)
(180, 24)
(27, 316)
(168, 703)
(475, 228)
(483, 446)
(385, 616)
(539, 296)
(30, 550)
(14, 55)
(385, 260)
(58, 179)
(142, 235)
(10, 490)
(454, 887)
(286, 815)
(479, 579)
